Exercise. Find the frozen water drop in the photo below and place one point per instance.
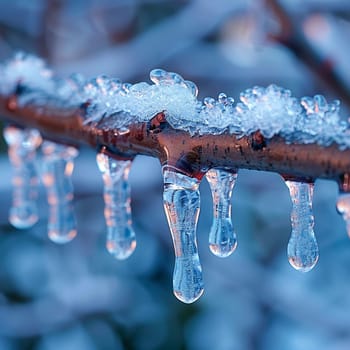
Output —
(209, 102)
(181, 204)
(222, 238)
(121, 238)
(308, 104)
(321, 104)
(22, 153)
(343, 207)
(222, 98)
(192, 87)
(302, 246)
(157, 75)
(57, 169)
(175, 78)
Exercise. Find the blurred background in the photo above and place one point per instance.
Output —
(76, 296)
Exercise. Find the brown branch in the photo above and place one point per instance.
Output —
(193, 155)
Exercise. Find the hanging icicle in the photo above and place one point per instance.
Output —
(222, 238)
(181, 204)
(302, 246)
(343, 201)
(343, 207)
(57, 169)
(121, 238)
(23, 144)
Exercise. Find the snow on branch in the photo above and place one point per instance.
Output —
(267, 129)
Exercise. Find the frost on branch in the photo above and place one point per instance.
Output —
(267, 129)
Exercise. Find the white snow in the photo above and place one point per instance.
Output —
(26, 69)
(271, 110)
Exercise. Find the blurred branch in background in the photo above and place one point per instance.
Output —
(253, 300)
(293, 37)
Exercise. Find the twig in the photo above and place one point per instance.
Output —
(193, 155)
(294, 39)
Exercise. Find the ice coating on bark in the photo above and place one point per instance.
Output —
(271, 110)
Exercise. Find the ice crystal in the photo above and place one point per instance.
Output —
(27, 70)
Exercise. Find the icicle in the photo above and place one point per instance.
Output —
(343, 207)
(121, 239)
(302, 246)
(22, 152)
(222, 238)
(181, 204)
(57, 171)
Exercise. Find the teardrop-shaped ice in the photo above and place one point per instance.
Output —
(302, 246)
(343, 207)
(121, 238)
(222, 238)
(181, 204)
(22, 153)
(57, 169)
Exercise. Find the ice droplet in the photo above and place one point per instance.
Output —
(157, 75)
(57, 171)
(209, 102)
(121, 238)
(222, 98)
(302, 246)
(22, 153)
(222, 238)
(181, 204)
(343, 207)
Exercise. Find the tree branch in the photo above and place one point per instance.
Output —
(294, 39)
(193, 155)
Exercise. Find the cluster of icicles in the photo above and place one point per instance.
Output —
(181, 203)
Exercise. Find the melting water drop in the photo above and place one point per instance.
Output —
(57, 169)
(222, 238)
(302, 246)
(22, 153)
(121, 238)
(181, 204)
(343, 207)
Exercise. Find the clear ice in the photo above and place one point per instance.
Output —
(302, 246)
(222, 238)
(343, 207)
(57, 169)
(181, 204)
(23, 144)
(121, 238)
